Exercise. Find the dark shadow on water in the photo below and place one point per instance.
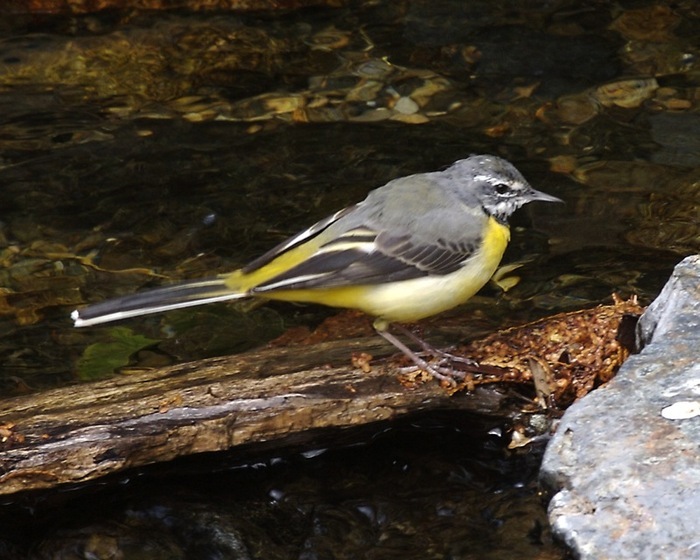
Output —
(427, 486)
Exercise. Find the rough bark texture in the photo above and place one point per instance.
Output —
(290, 394)
(75, 434)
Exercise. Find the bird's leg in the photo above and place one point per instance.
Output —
(428, 349)
(420, 362)
(439, 371)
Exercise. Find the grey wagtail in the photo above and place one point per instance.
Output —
(413, 248)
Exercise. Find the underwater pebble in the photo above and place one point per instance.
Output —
(406, 106)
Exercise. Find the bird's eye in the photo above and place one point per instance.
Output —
(502, 189)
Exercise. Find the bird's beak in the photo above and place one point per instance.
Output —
(544, 197)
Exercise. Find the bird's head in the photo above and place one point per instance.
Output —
(498, 186)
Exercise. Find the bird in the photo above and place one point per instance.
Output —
(413, 248)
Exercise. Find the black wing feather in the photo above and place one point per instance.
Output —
(395, 258)
(296, 240)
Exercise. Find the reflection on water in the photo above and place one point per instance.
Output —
(136, 148)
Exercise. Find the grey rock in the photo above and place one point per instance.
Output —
(625, 460)
(674, 315)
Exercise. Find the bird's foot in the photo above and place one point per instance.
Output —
(447, 368)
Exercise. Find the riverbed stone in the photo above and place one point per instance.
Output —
(624, 463)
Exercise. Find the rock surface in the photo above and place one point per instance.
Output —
(625, 461)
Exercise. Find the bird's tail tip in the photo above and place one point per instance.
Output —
(167, 298)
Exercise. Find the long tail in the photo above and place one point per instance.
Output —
(177, 296)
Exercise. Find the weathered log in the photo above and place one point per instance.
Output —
(78, 433)
(75, 434)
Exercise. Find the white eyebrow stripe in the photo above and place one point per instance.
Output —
(495, 180)
(487, 178)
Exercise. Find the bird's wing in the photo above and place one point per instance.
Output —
(296, 240)
(363, 256)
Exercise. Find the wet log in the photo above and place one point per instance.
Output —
(78, 433)
(294, 393)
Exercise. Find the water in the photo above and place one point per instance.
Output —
(432, 487)
(142, 147)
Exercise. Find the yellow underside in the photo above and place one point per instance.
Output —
(406, 301)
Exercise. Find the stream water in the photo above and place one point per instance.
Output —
(139, 147)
